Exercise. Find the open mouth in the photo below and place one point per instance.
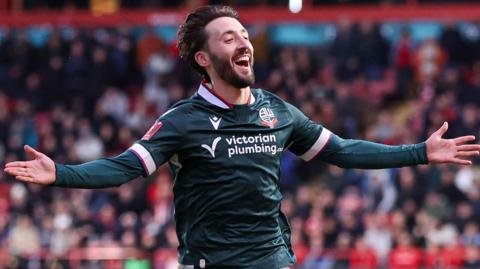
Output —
(242, 61)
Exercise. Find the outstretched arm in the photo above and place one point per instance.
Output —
(310, 140)
(363, 154)
(142, 159)
(100, 173)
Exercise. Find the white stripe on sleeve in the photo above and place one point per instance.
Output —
(318, 146)
(145, 157)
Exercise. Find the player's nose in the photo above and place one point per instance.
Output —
(244, 48)
(244, 44)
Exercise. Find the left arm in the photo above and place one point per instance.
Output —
(364, 154)
(310, 140)
(348, 153)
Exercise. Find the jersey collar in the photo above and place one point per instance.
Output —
(211, 96)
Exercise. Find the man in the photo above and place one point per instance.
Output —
(224, 146)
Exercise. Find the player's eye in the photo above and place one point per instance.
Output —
(230, 40)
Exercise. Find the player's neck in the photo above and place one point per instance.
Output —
(231, 94)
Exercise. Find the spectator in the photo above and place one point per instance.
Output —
(472, 258)
(378, 237)
(76, 69)
(404, 64)
(429, 59)
(24, 240)
(470, 235)
(405, 255)
(362, 256)
(454, 44)
(408, 189)
(380, 190)
(88, 146)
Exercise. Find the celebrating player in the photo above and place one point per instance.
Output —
(224, 145)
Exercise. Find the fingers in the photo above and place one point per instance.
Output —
(25, 178)
(468, 147)
(18, 171)
(466, 150)
(464, 139)
(461, 162)
(13, 168)
(16, 164)
(466, 153)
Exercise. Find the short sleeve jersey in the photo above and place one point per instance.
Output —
(226, 161)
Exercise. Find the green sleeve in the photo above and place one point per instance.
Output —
(349, 153)
(310, 140)
(304, 134)
(102, 173)
(143, 158)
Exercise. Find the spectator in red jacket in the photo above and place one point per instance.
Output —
(405, 255)
(362, 256)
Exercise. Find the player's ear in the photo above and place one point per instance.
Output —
(202, 58)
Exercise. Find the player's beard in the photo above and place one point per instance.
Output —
(226, 72)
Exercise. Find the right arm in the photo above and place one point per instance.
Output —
(102, 173)
(141, 159)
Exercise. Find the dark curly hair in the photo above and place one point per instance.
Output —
(191, 36)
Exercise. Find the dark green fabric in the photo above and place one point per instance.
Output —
(304, 133)
(102, 173)
(349, 153)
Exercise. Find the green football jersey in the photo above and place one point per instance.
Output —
(226, 162)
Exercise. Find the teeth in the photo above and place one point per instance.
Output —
(243, 58)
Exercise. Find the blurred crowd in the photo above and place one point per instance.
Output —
(90, 93)
(129, 4)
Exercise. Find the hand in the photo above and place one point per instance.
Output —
(440, 150)
(40, 170)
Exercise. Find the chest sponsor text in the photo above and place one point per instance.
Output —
(241, 145)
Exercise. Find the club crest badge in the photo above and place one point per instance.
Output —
(267, 118)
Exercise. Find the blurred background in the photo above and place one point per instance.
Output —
(80, 80)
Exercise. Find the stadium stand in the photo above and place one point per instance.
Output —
(80, 93)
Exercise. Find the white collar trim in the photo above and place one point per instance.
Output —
(211, 97)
